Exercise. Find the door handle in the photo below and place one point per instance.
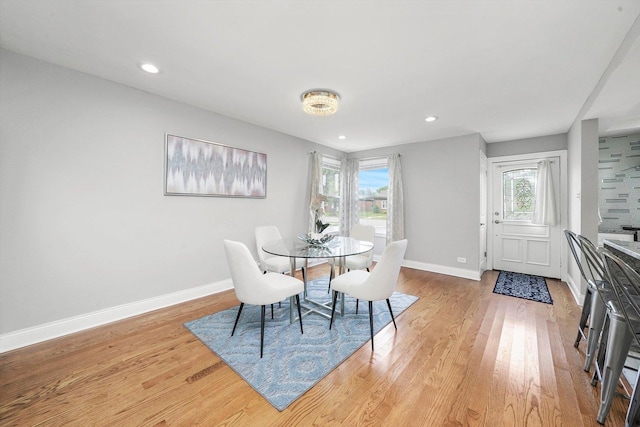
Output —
(497, 221)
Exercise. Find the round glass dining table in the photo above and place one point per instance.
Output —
(338, 248)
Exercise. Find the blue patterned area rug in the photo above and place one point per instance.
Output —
(292, 362)
(525, 286)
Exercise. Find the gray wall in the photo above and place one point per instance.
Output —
(582, 159)
(84, 224)
(589, 177)
(442, 194)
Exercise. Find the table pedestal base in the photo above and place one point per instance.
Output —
(309, 306)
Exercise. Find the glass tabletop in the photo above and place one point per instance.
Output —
(337, 247)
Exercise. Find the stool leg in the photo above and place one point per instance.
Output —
(586, 309)
(618, 345)
(602, 350)
(598, 313)
(633, 414)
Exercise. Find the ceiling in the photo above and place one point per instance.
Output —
(505, 69)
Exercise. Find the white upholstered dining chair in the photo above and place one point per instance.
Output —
(273, 263)
(253, 287)
(372, 286)
(365, 233)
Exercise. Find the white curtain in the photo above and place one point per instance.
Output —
(316, 185)
(395, 201)
(349, 203)
(545, 212)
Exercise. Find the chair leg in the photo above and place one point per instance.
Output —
(303, 269)
(237, 318)
(262, 330)
(357, 301)
(299, 312)
(371, 321)
(391, 311)
(333, 307)
(332, 274)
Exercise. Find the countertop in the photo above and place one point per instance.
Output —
(630, 248)
(615, 231)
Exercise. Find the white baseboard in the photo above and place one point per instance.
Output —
(59, 328)
(47, 331)
(575, 290)
(450, 271)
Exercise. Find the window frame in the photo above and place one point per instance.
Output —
(334, 164)
(374, 164)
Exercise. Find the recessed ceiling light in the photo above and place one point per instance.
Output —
(431, 119)
(150, 68)
(342, 137)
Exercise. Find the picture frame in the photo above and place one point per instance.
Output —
(195, 167)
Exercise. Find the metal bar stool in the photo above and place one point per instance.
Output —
(574, 245)
(620, 334)
(593, 307)
(602, 293)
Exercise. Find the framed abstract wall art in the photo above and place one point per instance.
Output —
(194, 167)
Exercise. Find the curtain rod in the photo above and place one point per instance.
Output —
(378, 157)
(327, 155)
(363, 158)
(498, 164)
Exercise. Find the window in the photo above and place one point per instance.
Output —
(331, 189)
(518, 194)
(373, 188)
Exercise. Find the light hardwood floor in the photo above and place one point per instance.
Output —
(461, 356)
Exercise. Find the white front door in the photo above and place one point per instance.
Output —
(518, 244)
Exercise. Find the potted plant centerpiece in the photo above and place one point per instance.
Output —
(317, 212)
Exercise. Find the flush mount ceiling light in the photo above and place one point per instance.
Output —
(150, 68)
(320, 102)
(431, 119)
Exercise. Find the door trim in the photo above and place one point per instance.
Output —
(562, 155)
(484, 208)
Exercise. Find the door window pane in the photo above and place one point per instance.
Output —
(518, 194)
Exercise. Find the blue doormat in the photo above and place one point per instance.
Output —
(525, 286)
(292, 362)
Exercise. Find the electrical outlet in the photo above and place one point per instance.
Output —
(462, 260)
